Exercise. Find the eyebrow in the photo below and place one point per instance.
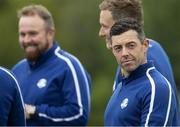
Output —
(116, 46)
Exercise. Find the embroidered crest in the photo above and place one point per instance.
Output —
(42, 83)
(124, 103)
(150, 45)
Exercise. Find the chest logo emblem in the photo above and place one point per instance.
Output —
(42, 83)
(124, 103)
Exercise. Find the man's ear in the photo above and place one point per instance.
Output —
(50, 34)
(146, 43)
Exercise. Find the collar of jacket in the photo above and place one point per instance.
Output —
(138, 72)
(44, 57)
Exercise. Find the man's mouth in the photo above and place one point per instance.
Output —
(126, 62)
(30, 46)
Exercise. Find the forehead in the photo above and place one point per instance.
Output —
(31, 22)
(126, 37)
(106, 17)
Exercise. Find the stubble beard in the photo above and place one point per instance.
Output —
(37, 52)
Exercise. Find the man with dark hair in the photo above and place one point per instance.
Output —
(137, 101)
(55, 86)
(11, 103)
(111, 11)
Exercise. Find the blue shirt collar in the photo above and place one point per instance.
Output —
(138, 72)
(44, 57)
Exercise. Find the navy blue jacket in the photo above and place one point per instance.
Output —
(59, 87)
(162, 64)
(145, 98)
(11, 103)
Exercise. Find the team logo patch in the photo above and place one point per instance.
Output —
(150, 46)
(124, 103)
(42, 83)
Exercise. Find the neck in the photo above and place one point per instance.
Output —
(126, 74)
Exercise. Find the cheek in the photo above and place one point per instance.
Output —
(20, 39)
(42, 37)
(140, 56)
(117, 56)
(107, 32)
(101, 30)
(21, 45)
(37, 38)
(144, 52)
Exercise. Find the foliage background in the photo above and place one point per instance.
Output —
(77, 26)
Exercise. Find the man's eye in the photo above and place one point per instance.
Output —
(117, 49)
(105, 27)
(22, 34)
(32, 33)
(131, 46)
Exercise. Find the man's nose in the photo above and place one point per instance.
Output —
(27, 39)
(124, 51)
(101, 32)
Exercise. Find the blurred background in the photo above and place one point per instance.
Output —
(77, 27)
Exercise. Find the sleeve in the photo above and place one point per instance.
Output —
(17, 115)
(76, 95)
(161, 61)
(11, 103)
(157, 105)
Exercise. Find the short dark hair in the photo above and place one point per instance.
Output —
(124, 9)
(126, 24)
